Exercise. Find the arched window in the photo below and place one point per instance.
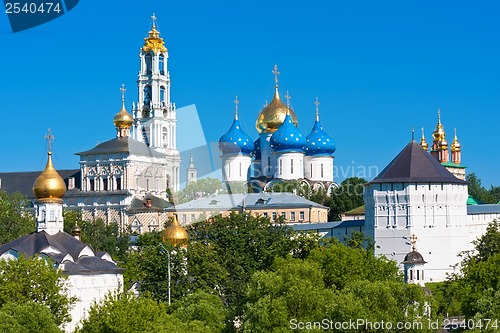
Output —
(149, 63)
(147, 96)
(162, 64)
(162, 96)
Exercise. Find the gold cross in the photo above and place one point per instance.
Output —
(288, 98)
(123, 92)
(413, 240)
(439, 116)
(49, 137)
(276, 74)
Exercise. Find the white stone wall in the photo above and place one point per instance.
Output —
(435, 213)
(318, 168)
(236, 167)
(88, 289)
(478, 223)
(289, 166)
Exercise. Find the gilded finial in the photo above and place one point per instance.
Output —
(423, 142)
(439, 116)
(236, 102)
(316, 102)
(276, 74)
(413, 240)
(455, 145)
(288, 98)
(50, 138)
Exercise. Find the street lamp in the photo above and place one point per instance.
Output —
(168, 270)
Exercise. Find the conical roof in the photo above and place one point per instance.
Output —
(415, 165)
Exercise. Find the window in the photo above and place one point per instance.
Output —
(192, 218)
(311, 170)
(52, 216)
(281, 167)
(162, 64)
(265, 214)
(274, 215)
(321, 170)
(105, 184)
(291, 166)
(418, 274)
(301, 216)
(183, 218)
(411, 274)
(147, 184)
(283, 215)
(292, 216)
(92, 184)
(149, 63)
(118, 183)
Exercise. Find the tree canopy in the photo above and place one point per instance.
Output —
(15, 217)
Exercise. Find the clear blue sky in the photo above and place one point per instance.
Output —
(378, 68)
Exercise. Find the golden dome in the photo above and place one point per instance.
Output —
(272, 115)
(455, 145)
(49, 186)
(439, 134)
(175, 234)
(154, 42)
(123, 119)
(76, 231)
(423, 142)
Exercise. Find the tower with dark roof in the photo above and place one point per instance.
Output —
(415, 194)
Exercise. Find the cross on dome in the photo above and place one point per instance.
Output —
(50, 138)
(316, 102)
(153, 18)
(276, 74)
(288, 98)
(122, 89)
(413, 240)
(236, 102)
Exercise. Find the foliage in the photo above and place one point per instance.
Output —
(103, 237)
(491, 196)
(475, 288)
(18, 278)
(296, 290)
(198, 189)
(124, 313)
(27, 318)
(347, 196)
(15, 219)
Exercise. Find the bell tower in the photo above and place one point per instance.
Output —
(155, 120)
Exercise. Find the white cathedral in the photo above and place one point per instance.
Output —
(281, 152)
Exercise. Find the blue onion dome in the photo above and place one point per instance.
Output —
(235, 140)
(288, 137)
(256, 150)
(318, 142)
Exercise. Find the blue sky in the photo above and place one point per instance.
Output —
(377, 67)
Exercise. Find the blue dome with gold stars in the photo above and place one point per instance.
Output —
(318, 142)
(256, 150)
(288, 137)
(235, 140)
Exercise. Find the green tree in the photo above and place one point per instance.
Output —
(24, 280)
(478, 191)
(27, 318)
(347, 196)
(15, 218)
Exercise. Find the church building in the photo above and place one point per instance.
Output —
(281, 152)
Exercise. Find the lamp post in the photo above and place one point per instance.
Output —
(168, 270)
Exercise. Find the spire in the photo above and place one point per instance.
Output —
(236, 102)
(191, 161)
(316, 102)
(122, 89)
(154, 42)
(412, 134)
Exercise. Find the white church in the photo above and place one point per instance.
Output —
(281, 152)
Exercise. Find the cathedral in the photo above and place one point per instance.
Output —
(129, 179)
(281, 152)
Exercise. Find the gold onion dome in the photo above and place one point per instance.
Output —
(423, 142)
(123, 119)
(49, 186)
(273, 115)
(455, 145)
(439, 134)
(154, 42)
(175, 234)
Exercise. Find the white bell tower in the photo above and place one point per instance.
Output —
(155, 120)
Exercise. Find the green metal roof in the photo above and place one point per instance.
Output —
(453, 165)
